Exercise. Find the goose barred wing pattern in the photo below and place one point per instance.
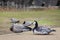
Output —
(14, 20)
(27, 23)
(43, 30)
(17, 27)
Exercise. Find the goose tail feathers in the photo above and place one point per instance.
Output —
(53, 30)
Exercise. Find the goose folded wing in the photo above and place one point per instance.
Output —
(18, 27)
(27, 23)
(13, 20)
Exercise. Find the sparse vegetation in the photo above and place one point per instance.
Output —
(45, 17)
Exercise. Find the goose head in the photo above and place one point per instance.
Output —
(35, 24)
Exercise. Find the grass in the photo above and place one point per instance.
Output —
(45, 17)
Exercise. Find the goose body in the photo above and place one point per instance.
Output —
(17, 28)
(41, 30)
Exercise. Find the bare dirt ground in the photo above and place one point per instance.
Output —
(30, 36)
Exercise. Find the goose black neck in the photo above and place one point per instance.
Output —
(36, 24)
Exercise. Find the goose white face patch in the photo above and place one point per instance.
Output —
(34, 23)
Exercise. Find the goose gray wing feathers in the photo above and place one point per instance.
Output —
(14, 20)
(42, 30)
(20, 28)
(27, 23)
